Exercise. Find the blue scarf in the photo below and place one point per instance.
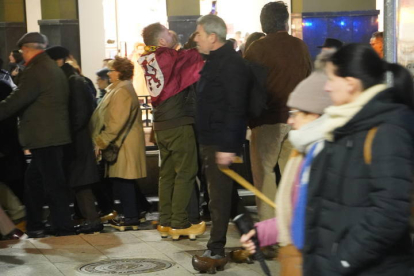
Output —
(298, 221)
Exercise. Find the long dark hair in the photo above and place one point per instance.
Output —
(362, 62)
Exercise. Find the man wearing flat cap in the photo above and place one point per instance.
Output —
(41, 101)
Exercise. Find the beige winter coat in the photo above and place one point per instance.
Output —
(110, 122)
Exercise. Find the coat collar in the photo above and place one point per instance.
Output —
(222, 51)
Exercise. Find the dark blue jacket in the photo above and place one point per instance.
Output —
(222, 94)
(357, 217)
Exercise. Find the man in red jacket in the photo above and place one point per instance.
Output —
(170, 76)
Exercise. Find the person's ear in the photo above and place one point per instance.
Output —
(212, 38)
(353, 85)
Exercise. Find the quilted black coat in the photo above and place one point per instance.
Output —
(357, 217)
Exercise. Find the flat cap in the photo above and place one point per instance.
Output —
(57, 52)
(33, 37)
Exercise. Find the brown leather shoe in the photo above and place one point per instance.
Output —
(109, 216)
(163, 230)
(240, 256)
(192, 232)
(209, 263)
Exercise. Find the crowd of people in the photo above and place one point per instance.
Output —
(341, 138)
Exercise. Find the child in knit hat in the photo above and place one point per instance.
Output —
(307, 103)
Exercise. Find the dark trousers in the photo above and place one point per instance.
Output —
(45, 179)
(224, 200)
(125, 190)
(86, 203)
(193, 208)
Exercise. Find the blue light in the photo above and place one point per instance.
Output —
(308, 24)
(342, 23)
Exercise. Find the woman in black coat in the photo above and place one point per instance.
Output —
(82, 170)
(358, 204)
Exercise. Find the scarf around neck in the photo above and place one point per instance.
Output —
(302, 139)
(339, 115)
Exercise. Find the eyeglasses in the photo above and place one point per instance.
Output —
(111, 70)
(293, 113)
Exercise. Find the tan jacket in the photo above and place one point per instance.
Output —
(109, 123)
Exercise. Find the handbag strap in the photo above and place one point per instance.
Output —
(129, 127)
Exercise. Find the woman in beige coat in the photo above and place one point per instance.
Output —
(118, 112)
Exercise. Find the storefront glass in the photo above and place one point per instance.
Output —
(242, 16)
(405, 37)
(124, 21)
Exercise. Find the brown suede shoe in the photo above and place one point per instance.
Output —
(192, 232)
(163, 230)
(209, 263)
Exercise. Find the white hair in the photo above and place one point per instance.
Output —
(213, 24)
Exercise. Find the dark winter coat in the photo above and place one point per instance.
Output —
(221, 116)
(357, 216)
(41, 101)
(12, 163)
(82, 167)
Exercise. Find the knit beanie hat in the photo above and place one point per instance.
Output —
(309, 94)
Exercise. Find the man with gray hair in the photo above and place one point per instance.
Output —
(41, 100)
(221, 122)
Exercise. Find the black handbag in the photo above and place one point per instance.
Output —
(110, 154)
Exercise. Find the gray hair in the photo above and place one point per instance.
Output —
(37, 46)
(323, 58)
(213, 24)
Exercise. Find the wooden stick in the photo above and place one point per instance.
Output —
(235, 176)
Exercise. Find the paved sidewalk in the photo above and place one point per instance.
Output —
(65, 255)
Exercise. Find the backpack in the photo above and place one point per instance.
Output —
(257, 97)
(368, 145)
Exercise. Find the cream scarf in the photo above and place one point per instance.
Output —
(338, 116)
